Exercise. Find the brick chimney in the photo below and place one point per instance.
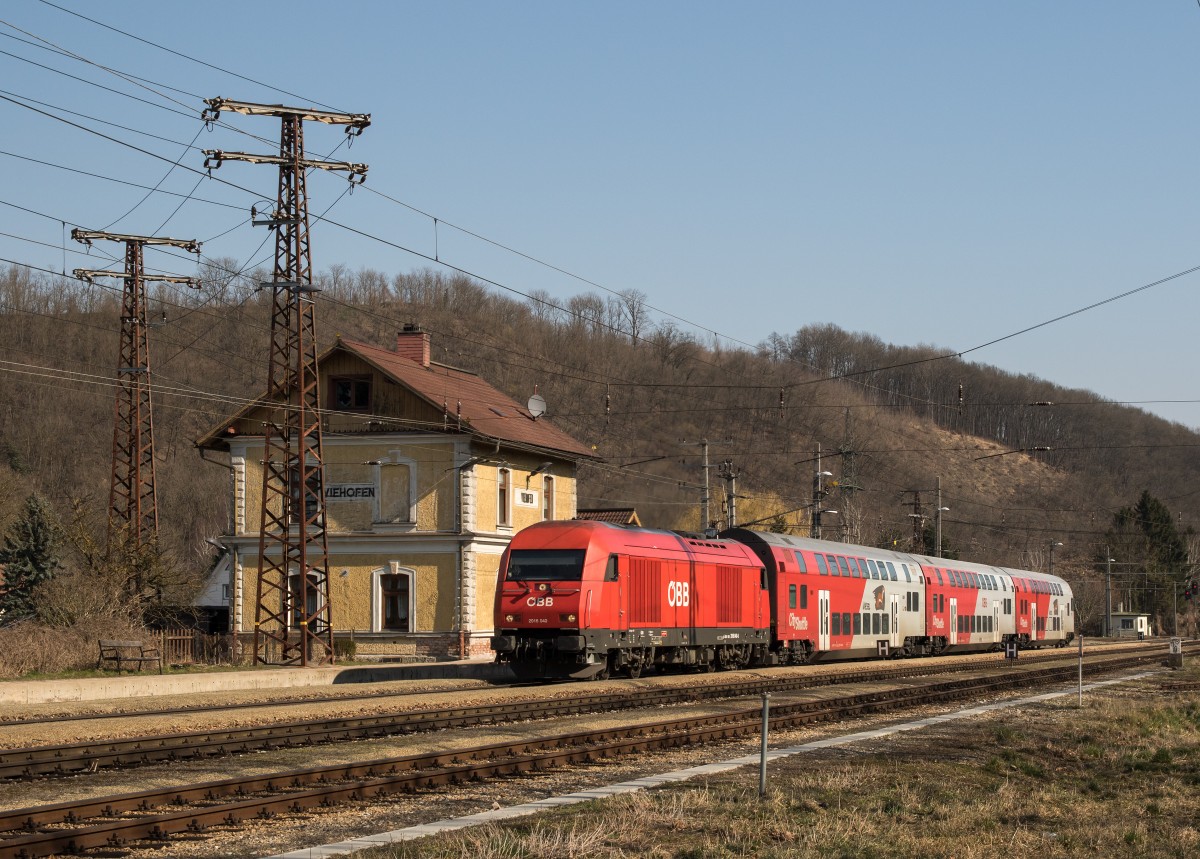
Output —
(413, 343)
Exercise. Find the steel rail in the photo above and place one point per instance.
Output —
(420, 772)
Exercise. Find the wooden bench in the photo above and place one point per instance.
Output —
(127, 654)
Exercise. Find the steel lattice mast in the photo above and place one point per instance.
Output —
(133, 498)
(293, 622)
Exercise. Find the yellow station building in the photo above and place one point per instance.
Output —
(429, 471)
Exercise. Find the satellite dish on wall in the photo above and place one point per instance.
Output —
(536, 405)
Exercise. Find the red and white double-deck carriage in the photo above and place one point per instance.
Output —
(842, 600)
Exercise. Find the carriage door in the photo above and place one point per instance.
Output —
(1033, 636)
(953, 620)
(995, 621)
(823, 620)
(896, 620)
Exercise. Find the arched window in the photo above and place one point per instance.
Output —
(302, 606)
(393, 599)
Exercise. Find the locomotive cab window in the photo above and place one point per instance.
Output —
(610, 572)
(547, 565)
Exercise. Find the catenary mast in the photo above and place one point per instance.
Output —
(293, 622)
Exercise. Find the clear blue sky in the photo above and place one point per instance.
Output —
(929, 172)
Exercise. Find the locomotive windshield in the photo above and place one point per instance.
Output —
(545, 565)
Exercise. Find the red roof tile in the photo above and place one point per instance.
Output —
(613, 515)
(488, 411)
(485, 410)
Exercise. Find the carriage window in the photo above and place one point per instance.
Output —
(874, 569)
(939, 577)
(804, 596)
(886, 625)
(858, 624)
(846, 622)
(833, 565)
(837, 624)
(791, 596)
(821, 568)
(876, 623)
(842, 565)
(800, 562)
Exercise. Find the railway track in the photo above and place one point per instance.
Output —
(89, 757)
(127, 819)
(400, 694)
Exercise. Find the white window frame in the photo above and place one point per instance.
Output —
(548, 496)
(392, 569)
(504, 501)
(295, 574)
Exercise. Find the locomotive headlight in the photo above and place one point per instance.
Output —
(509, 618)
(570, 618)
(543, 587)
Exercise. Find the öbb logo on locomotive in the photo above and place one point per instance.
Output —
(575, 599)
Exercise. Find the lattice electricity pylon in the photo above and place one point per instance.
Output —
(133, 498)
(293, 621)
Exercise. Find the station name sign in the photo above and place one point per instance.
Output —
(350, 492)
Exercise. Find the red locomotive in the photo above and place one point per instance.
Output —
(583, 599)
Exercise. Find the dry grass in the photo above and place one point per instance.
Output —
(30, 648)
(1118, 777)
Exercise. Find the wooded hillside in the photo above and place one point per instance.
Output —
(890, 420)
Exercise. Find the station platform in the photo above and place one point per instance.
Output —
(147, 684)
